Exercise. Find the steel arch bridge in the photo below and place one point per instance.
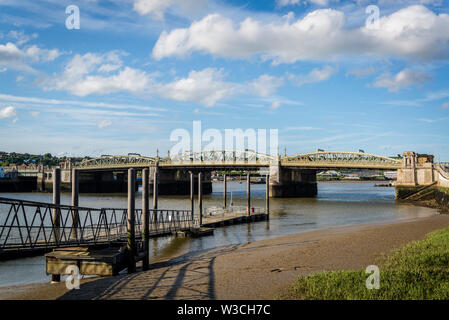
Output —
(115, 162)
(240, 159)
(341, 160)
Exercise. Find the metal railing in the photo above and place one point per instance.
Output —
(29, 224)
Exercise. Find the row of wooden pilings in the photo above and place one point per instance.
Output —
(131, 237)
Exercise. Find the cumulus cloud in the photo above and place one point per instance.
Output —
(401, 80)
(8, 112)
(158, 8)
(94, 73)
(206, 87)
(316, 75)
(265, 85)
(413, 32)
(83, 75)
(17, 58)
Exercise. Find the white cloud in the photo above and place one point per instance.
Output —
(80, 76)
(104, 124)
(205, 86)
(413, 32)
(17, 58)
(275, 105)
(85, 104)
(158, 8)
(283, 3)
(8, 112)
(401, 80)
(265, 85)
(445, 105)
(21, 37)
(359, 73)
(316, 75)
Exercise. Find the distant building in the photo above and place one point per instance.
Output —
(392, 175)
(352, 176)
(331, 174)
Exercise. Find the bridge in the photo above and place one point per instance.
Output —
(291, 176)
(231, 159)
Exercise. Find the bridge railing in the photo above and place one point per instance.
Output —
(30, 225)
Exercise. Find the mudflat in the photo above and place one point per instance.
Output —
(259, 270)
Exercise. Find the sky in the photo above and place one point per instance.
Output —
(329, 74)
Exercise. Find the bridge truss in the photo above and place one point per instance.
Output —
(341, 160)
(232, 158)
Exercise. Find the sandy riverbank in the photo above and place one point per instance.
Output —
(258, 270)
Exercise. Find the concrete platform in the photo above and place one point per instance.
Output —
(103, 262)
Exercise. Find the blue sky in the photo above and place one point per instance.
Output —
(138, 69)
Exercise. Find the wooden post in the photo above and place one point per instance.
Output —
(200, 200)
(75, 203)
(192, 192)
(145, 218)
(225, 191)
(131, 235)
(155, 189)
(56, 212)
(267, 196)
(248, 193)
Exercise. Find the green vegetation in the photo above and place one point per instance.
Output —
(444, 190)
(46, 159)
(419, 270)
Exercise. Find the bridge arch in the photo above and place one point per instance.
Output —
(219, 156)
(341, 159)
(112, 162)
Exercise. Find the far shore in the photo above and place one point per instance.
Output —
(258, 270)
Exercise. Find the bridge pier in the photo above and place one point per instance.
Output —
(177, 181)
(417, 171)
(291, 182)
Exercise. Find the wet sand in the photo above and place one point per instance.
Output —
(259, 270)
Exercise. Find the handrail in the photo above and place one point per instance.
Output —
(28, 224)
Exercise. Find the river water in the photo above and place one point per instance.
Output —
(337, 204)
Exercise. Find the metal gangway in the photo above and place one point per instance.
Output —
(29, 226)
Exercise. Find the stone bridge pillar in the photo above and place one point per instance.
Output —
(291, 182)
(417, 171)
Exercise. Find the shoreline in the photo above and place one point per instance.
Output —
(262, 269)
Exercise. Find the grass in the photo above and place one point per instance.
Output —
(419, 270)
(444, 190)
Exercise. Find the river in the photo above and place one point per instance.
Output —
(337, 204)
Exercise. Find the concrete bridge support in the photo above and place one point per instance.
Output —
(291, 182)
(177, 181)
